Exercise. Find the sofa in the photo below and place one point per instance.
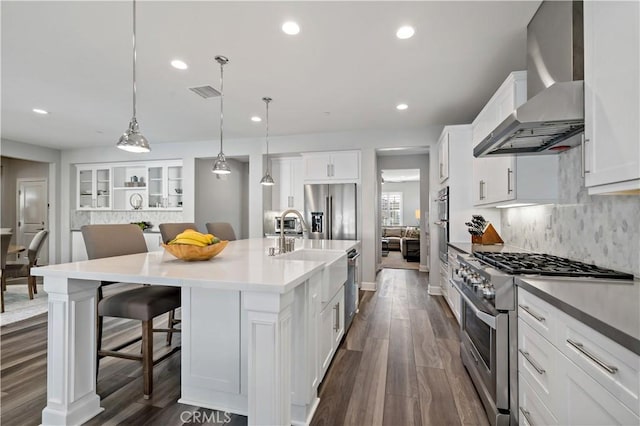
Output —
(405, 239)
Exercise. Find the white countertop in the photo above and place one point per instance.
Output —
(242, 266)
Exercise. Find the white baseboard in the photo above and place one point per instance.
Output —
(367, 286)
(434, 290)
(423, 268)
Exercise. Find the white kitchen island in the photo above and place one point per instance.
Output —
(250, 326)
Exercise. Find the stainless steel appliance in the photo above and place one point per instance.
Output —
(488, 324)
(351, 288)
(330, 211)
(554, 111)
(442, 202)
(290, 225)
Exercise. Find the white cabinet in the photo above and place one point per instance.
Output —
(331, 330)
(510, 180)
(117, 186)
(288, 192)
(570, 374)
(78, 248)
(612, 96)
(449, 291)
(94, 187)
(165, 186)
(443, 157)
(327, 167)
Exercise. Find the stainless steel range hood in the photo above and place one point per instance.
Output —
(554, 111)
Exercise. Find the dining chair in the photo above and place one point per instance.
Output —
(142, 303)
(222, 230)
(5, 240)
(170, 230)
(22, 270)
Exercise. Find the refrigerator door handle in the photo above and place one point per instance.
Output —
(331, 217)
(327, 218)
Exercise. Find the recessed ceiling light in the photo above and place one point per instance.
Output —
(177, 63)
(290, 28)
(405, 32)
(40, 111)
(256, 119)
(402, 107)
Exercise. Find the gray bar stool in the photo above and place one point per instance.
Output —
(222, 230)
(143, 303)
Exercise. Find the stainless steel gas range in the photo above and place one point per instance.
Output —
(488, 322)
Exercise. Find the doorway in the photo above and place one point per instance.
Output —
(400, 218)
(32, 214)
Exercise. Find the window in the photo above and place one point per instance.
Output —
(391, 208)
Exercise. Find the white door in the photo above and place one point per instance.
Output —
(32, 215)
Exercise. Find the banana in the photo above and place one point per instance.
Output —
(188, 241)
(194, 235)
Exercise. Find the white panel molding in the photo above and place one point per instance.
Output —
(71, 367)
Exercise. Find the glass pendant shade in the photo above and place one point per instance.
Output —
(220, 166)
(132, 140)
(267, 179)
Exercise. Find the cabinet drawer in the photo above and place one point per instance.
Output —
(587, 402)
(614, 367)
(537, 313)
(532, 411)
(538, 363)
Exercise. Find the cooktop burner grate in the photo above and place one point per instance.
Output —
(546, 264)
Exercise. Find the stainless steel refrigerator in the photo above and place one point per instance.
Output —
(330, 211)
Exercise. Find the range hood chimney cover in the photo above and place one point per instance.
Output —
(554, 112)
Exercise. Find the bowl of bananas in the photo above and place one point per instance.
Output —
(192, 245)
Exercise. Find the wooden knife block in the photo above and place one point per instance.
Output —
(490, 236)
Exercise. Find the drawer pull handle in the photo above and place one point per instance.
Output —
(528, 310)
(580, 347)
(527, 415)
(534, 364)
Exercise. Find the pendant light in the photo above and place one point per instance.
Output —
(267, 180)
(132, 140)
(220, 166)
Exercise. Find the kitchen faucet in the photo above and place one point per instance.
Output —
(305, 228)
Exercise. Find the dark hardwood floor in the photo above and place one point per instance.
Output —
(398, 365)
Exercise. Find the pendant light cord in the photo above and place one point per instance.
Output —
(221, 104)
(134, 59)
(267, 100)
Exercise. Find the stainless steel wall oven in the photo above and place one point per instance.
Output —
(442, 202)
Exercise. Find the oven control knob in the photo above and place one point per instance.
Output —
(475, 280)
(489, 293)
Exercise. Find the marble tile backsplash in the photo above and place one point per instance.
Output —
(80, 218)
(601, 229)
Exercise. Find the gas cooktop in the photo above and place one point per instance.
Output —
(546, 264)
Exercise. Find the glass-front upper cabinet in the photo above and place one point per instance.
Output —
(94, 188)
(165, 186)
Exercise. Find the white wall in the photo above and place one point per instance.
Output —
(365, 141)
(25, 151)
(410, 199)
(421, 162)
(222, 199)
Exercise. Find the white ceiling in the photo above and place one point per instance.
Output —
(74, 60)
(401, 175)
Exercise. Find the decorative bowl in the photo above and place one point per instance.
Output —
(190, 253)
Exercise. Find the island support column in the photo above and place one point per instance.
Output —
(270, 336)
(71, 352)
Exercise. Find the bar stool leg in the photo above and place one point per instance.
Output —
(147, 357)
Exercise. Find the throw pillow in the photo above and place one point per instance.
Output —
(393, 232)
(413, 233)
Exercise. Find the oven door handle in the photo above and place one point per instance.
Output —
(482, 316)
